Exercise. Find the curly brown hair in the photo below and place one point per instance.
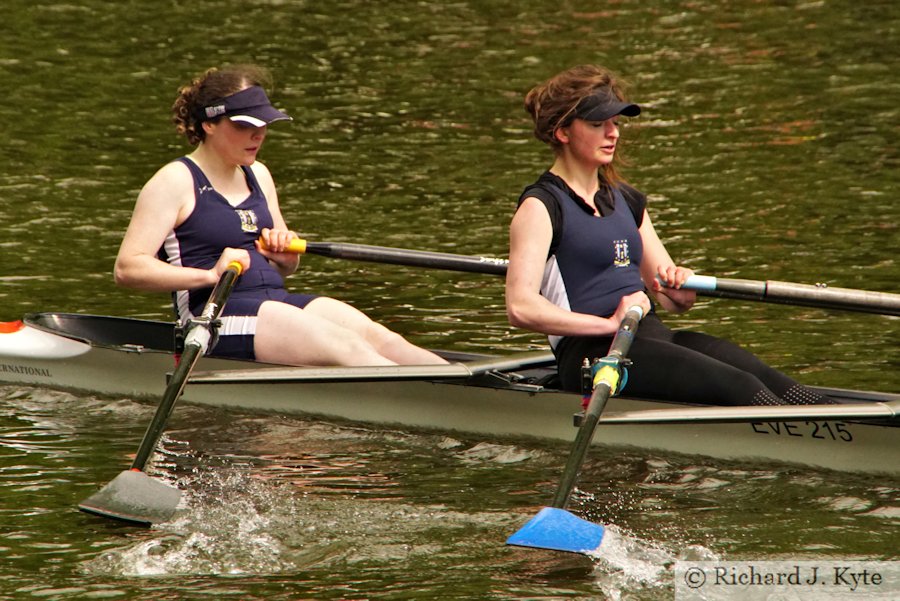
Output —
(552, 104)
(214, 84)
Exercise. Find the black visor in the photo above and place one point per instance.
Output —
(602, 106)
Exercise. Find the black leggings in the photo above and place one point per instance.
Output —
(688, 367)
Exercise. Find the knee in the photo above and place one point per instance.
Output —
(725, 386)
(738, 387)
(350, 348)
(382, 337)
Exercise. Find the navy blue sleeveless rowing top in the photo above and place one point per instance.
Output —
(597, 261)
(214, 225)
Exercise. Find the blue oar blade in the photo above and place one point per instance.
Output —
(558, 530)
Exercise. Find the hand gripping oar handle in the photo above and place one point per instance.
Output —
(605, 384)
(195, 345)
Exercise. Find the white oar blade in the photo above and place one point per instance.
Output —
(134, 497)
(558, 530)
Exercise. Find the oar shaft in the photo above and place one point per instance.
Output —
(583, 439)
(818, 295)
(400, 256)
(154, 431)
(605, 383)
(196, 343)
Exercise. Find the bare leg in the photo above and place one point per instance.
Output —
(389, 344)
(292, 336)
(329, 332)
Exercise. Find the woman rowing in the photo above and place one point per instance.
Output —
(583, 250)
(202, 211)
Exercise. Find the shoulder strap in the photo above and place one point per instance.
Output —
(251, 179)
(200, 179)
(636, 201)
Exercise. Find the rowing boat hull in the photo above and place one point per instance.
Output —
(516, 413)
(487, 404)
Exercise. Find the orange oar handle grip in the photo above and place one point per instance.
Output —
(297, 245)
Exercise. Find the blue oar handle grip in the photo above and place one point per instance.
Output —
(705, 283)
(699, 283)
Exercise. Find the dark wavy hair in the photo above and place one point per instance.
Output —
(552, 105)
(214, 84)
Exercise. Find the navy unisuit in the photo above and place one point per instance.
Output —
(198, 242)
(593, 261)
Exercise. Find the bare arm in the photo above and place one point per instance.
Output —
(164, 202)
(276, 239)
(656, 262)
(529, 242)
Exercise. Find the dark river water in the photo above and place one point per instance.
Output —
(767, 146)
